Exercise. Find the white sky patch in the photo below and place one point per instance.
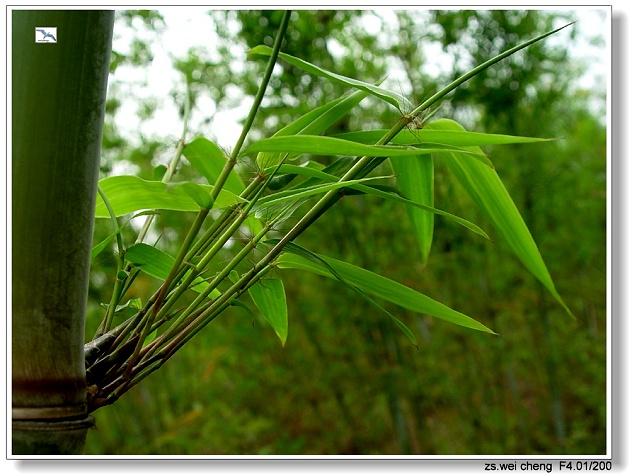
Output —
(371, 23)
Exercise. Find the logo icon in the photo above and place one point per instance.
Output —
(46, 34)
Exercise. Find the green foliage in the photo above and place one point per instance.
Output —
(380, 286)
(366, 372)
(209, 160)
(414, 177)
(269, 297)
(487, 190)
(128, 194)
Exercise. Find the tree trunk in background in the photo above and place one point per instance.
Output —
(58, 99)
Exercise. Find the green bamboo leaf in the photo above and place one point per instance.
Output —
(268, 295)
(242, 305)
(158, 264)
(487, 190)
(300, 193)
(322, 145)
(312, 123)
(382, 287)
(303, 252)
(209, 160)
(128, 194)
(150, 337)
(197, 192)
(433, 136)
(397, 100)
(151, 260)
(380, 191)
(414, 177)
(97, 249)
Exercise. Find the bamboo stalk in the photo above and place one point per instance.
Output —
(58, 99)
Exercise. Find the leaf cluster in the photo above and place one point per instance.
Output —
(291, 189)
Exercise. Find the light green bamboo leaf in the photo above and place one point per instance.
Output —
(414, 177)
(196, 191)
(209, 160)
(392, 195)
(397, 100)
(300, 193)
(127, 194)
(309, 255)
(150, 337)
(279, 212)
(97, 249)
(268, 295)
(312, 123)
(322, 145)
(487, 190)
(382, 287)
(158, 264)
(445, 138)
(151, 260)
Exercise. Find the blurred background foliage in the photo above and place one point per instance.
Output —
(348, 382)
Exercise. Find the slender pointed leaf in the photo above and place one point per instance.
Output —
(97, 249)
(432, 136)
(309, 255)
(478, 69)
(397, 100)
(151, 260)
(322, 145)
(382, 287)
(414, 177)
(297, 194)
(312, 123)
(487, 190)
(268, 295)
(391, 195)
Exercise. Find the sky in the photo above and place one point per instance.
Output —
(161, 78)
